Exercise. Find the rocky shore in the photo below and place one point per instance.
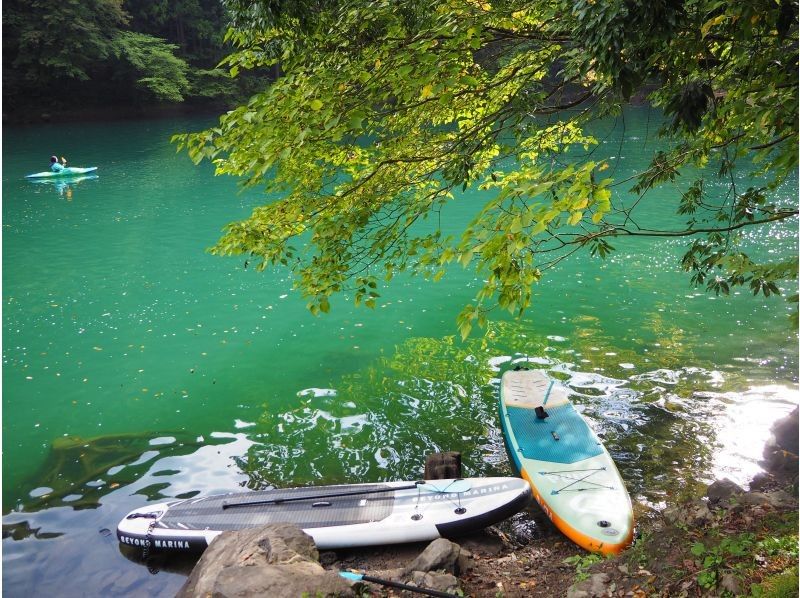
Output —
(730, 542)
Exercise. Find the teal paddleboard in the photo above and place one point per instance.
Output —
(572, 475)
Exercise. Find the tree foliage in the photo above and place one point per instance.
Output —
(61, 42)
(149, 65)
(197, 27)
(109, 52)
(386, 108)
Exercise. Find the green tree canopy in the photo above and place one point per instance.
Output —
(148, 64)
(85, 53)
(386, 108)
(46, 45)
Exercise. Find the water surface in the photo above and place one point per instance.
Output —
(138, 367)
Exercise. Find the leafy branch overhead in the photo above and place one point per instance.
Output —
(386, 109)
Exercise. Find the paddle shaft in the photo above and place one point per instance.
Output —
(275, 501)
(402, 586)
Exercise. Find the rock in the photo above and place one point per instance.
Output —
(730, 583)
(271, 560)
(692, 514)
(597, 585)
(391, 574)
(781, 450)
(786, 432)
(443, 466)
(328, 558)
(442, 582)
(465, 562)
(722, 490)
(439, 554)
(483, 543)
(777, 499)
(761, 481)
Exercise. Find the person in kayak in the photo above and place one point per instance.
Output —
(55, 165)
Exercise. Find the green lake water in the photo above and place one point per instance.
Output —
(137, 367)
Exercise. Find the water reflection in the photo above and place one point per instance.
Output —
(669, 428)
(79, 472)
(64, 187)
(661, 421)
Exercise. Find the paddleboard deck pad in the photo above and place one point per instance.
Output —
(571, 473)
(334, 516)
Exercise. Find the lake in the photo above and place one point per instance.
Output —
(137, 367)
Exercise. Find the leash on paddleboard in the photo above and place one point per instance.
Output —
(353, 576)
(455, 486)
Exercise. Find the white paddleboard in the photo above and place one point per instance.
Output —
(334, 516)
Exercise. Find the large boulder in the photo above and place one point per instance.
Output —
(271, 560)
(781, 450)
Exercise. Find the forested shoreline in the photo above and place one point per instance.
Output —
(92, 59)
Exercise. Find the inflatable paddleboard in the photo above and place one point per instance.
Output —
(334, 516)
(66, 172)
(571, 473)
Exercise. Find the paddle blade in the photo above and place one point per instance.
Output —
(351, 576)
(445, 486)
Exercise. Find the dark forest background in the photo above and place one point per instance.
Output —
(88, 56)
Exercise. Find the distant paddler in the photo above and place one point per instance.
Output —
(57, 166)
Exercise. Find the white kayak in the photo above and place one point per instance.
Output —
(572, 475)
(67, 171)
(334, 516)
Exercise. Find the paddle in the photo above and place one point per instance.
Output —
(386, 582)
(438, 486)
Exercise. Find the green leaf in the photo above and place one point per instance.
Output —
(355, 120)
(538, 227)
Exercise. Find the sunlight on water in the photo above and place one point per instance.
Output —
(743, 428)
